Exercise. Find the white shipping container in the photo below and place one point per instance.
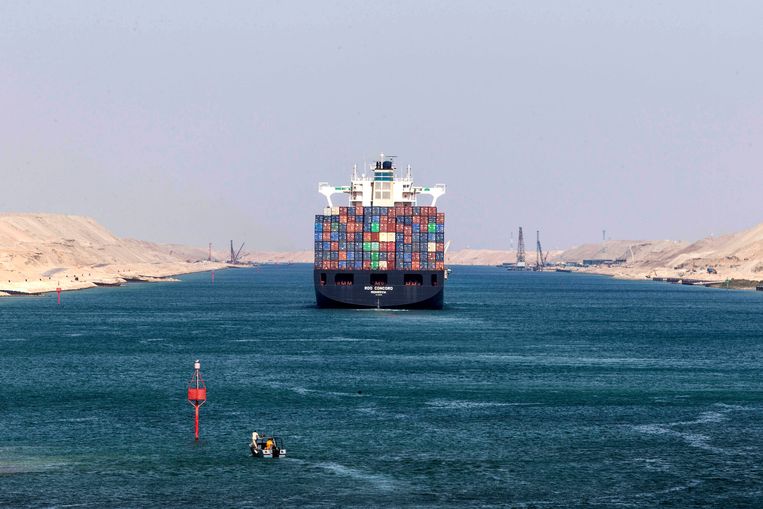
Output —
(432, 247)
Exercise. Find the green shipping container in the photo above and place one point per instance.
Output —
(366, 246)
(432, 228)
(374, 265)
(374, 246)
(374, 257)
(375, 227)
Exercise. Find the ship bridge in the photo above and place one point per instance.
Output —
(383, 188)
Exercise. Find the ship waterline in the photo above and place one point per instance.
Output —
(398, 289)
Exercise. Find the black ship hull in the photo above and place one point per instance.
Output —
(388, 289)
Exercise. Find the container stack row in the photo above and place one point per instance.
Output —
(380, 238)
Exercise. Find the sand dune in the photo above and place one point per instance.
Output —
(630, 250)
(39, 252)
(280, 257)
(734, 256)
(492, 257)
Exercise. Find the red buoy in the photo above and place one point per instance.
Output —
(197, 393)
(58, 293)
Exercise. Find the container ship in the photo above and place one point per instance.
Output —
(383, 250)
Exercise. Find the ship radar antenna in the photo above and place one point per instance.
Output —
(408, 172)
(354, 172)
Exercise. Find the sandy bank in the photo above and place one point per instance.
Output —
(42, 252)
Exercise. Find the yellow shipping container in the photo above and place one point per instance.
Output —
(382, 265)
(432, 247)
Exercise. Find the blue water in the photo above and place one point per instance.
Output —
(528, 390)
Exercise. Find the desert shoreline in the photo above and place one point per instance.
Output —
(84, 278)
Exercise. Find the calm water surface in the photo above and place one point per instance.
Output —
(529, 390)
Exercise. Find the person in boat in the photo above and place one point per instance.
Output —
(269, 444)
(255, 437)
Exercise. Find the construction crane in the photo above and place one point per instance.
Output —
(235, 256)
(539, 258)
(521, 250)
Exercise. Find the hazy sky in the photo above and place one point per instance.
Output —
(194, 122)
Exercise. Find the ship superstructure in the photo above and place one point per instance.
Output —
(383, 250)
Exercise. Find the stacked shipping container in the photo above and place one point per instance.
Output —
(380, 238)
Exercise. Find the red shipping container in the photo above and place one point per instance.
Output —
(408, 211)
(326, 236)
(415, 257)
(334, 265)
(440, 218)
(415, 220)
(400, 227)
(390, 247)
(408, 230)
(431, 257)
(342, 219)
(408, 239)
(440, 247)
(335, 246)
(342, 256)
(367, 237)
(374, 237)
(415, 266)
(326, 226)
(366, 264)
